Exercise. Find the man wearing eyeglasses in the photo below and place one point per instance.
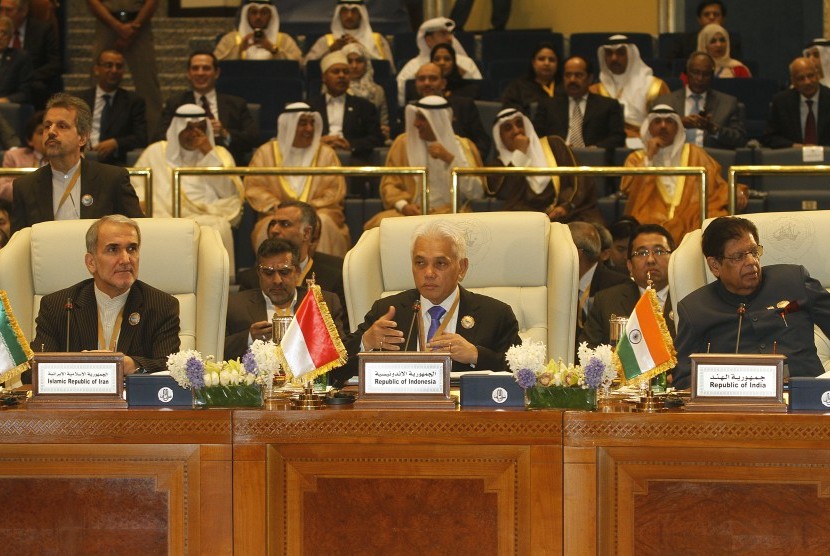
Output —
(777, 306)
(649, 250)
(250, 312)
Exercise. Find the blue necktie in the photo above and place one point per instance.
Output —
(436, 313)
(691, 134)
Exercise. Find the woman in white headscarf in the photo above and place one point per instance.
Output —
(819, 52)
(298, 145)
(428, 142)
(362, 76)
(258, 36)
(714, 40)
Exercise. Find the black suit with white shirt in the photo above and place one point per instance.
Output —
(127, 122)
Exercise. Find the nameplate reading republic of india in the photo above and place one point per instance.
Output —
(737, 382)
(78, 380)
(410, 380)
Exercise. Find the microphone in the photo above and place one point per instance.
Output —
(741, 313)
(69, 307)
(416, 309)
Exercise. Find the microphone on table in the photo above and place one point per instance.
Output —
(416, 309)
(741, 313)
(69, 307)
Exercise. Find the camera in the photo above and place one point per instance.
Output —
(258, 34)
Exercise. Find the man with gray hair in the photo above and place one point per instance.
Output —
(70, 186)
(113, 310)
(475, 329)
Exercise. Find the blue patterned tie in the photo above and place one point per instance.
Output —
(691, 134)
(436, 313)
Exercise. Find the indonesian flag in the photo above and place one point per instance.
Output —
(311, 346)
(646, 348)
(14, 349)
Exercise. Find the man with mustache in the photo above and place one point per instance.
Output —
(599, 120)
(113, 310)
(708, 317)
(250, 312)
(70, 187)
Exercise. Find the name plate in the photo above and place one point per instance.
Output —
(78, 380)
(737, 382)
(407, 380)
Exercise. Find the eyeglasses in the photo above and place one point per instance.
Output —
(755, 253)
(268, 271)
(645, 252)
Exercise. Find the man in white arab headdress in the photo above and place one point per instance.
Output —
(624, 76)
(258, 36)
(431, 32)
(562, 198)
(672, 201)
(428, 141)
(214, 201)
(350, 24)
(819, 52)
(298, 144)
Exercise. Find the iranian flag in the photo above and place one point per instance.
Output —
(646, 348)
(311, 346)
(15, 352)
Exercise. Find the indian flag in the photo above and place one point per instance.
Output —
(311, 346)
(646, 348)
(15, 352)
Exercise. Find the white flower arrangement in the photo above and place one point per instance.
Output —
(527, 361)
(191, 370)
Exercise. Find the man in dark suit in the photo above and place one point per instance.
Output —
(40, 41)
(250, 312)
(349, 123)
(602, 117)
(649, 250)
(233, 126)
(70, 186)
(112, 311)
(475, 329)
(119, 124)
(15, 68)
(297, 223)
(593, 277)
(466, 120)
(711, 118)
(793, 120)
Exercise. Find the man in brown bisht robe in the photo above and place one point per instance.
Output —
(673, 201)
(562, 198)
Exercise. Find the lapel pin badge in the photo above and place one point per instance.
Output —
(468, 322)
(87, 200)
(135, 318)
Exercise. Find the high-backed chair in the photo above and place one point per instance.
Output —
(517, 257)
(177, 256)
(787, 237)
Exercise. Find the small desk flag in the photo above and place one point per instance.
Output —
(646, 348)
(15, 352)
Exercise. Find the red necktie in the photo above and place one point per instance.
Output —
(16, 40)
(810, 134)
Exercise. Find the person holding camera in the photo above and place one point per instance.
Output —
(258, 36)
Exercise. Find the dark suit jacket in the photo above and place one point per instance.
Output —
(248, 307)
(466, 122)
(42, 44)
(127, 123)
(618, 300)
(603, 278)
(148, 342)
(361, 126)
(109, 187)
(602, 124)
(784, 123)
(16, 75)
(495, 328)
(708, 315)
(722, 108)
(234, 115)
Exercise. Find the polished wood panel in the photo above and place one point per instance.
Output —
(698, 483)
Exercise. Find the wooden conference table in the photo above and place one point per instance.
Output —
(413, 482)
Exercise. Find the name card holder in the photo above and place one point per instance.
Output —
(404, 380)
(737, 382)
(78, 380)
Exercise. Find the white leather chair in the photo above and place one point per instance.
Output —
(178, 256)
(787, 237)
(517, 257)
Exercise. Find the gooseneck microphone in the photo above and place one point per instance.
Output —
(416, 309)
(741, 313)
(69, 307)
